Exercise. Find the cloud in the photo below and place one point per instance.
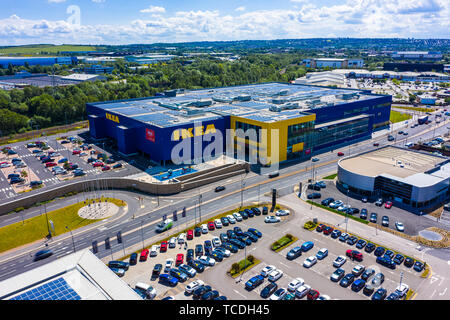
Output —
(348, 18)
(240, 9)
(56, 1)
(154, 9)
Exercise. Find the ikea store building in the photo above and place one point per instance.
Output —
(306, 119)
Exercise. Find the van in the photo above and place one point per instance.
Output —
(148, 290)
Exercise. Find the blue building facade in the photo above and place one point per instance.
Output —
(32, 61)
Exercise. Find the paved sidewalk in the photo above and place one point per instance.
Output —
(434, 287)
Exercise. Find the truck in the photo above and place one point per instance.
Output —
(422, 120)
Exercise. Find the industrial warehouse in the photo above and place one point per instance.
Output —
(413, 180)
(299, 120)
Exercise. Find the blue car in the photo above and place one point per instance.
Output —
(43, 254)
(307, 246)
(62, 160)
(254, 282)
(168, 280)
(255, 232)
(358, 285)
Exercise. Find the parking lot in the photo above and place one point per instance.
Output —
(317, 276)
(413, 223)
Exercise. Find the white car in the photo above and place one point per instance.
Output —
(204, 228)
(237, 216)
(231, 219)
(218, 224)
(226, 253)
(281, 213)
(181, 238)
(343, 207)
(216, 242)
(172, 242)
(302, 291)
(339, 261)
(402, 290)
(207, 261)
(336, 204)
(399, 225)
(297, 282)
(358, 270)
(324, 297)
(272, 219)
(154, 251)
(275, 275)
(267, 270)
(278, 294)
(310, 261)
(191, 272)
(169, 264)
(194, 285)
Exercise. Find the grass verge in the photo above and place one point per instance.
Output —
(283, 242)
(398, 116)
(36, 228)
(246, 264)
(330, 177)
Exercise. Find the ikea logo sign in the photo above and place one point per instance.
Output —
(193, 132)
(112, 117)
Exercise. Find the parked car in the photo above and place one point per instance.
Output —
(167, 279)
(267, 270)
(275, 275)
(399, 226)
(307, 246)
(254, 282)
(268, 290)
(310, 261)
(339, 261)
(322, 253)
(358, 285)
(380, 294)
(144, 255)
(347, 280)
(272, 219)
(302, 291)
(358, 270)
(295, 283)
(367, 274)
(337, 275)
(385, 221)
(354, 255)
(278, 294)
(373, 217)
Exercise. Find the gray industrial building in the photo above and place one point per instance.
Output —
(413, 180)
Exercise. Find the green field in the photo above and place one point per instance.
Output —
(399, 117)
(30, 230)
(44, 49)
(418, 109)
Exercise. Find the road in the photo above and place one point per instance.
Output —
(141, 228)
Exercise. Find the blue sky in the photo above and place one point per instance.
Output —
(142, 21)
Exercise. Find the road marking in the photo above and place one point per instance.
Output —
(239, 293)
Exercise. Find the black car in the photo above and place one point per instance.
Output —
(347, 280)
(352, 240)
(216, 255)
(251, 236)
(42, 254)
(369, 247)
(197, 265)
(256, 232)
(373, 217)
(398, 259)
(197, 231)
(199, 292)
(245, 240)
(223, 237)
(268, 290)
(294, 253)
(244, 215)
(379, 251)
(385, 261)
(250, 213)
(389, 254)
(358, 285)
(238, 231)
(210, 295)
(256, 211)
(385, 221)
(352, 211)
(265, 211)
(133, 258)
(363, 214)
(409, 262)
(231, 234)
(230, 247)
(198, 250)
(315, 187)
(361, 243)
(368, 289)
(224, 221)
(321, 184)
(315, 195)
(219, 188)
(367, 274)
(190, 255)
(418, 266)
(380, 294)
(336, 233)
(327, 201)
(156, 270)
(238, 243)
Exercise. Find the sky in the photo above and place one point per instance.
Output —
(153, 21)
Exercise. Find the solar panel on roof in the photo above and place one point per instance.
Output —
(57, 289)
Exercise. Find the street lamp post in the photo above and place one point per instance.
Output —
(73, 241)
(142, 233)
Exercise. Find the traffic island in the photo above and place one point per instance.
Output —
(283, 242)
(240, 267)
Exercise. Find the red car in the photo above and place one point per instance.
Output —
(50, 164)
(320, 227)
(179, 260)
(340, 154)
(76, 151)
(163, 247)
(211, 226)
(388, 204)
(144, 255)
(98, 164)
(328, 230)
(190, 234)
(376, 144)
(355, 255)
(312, 294)
(106, 168)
